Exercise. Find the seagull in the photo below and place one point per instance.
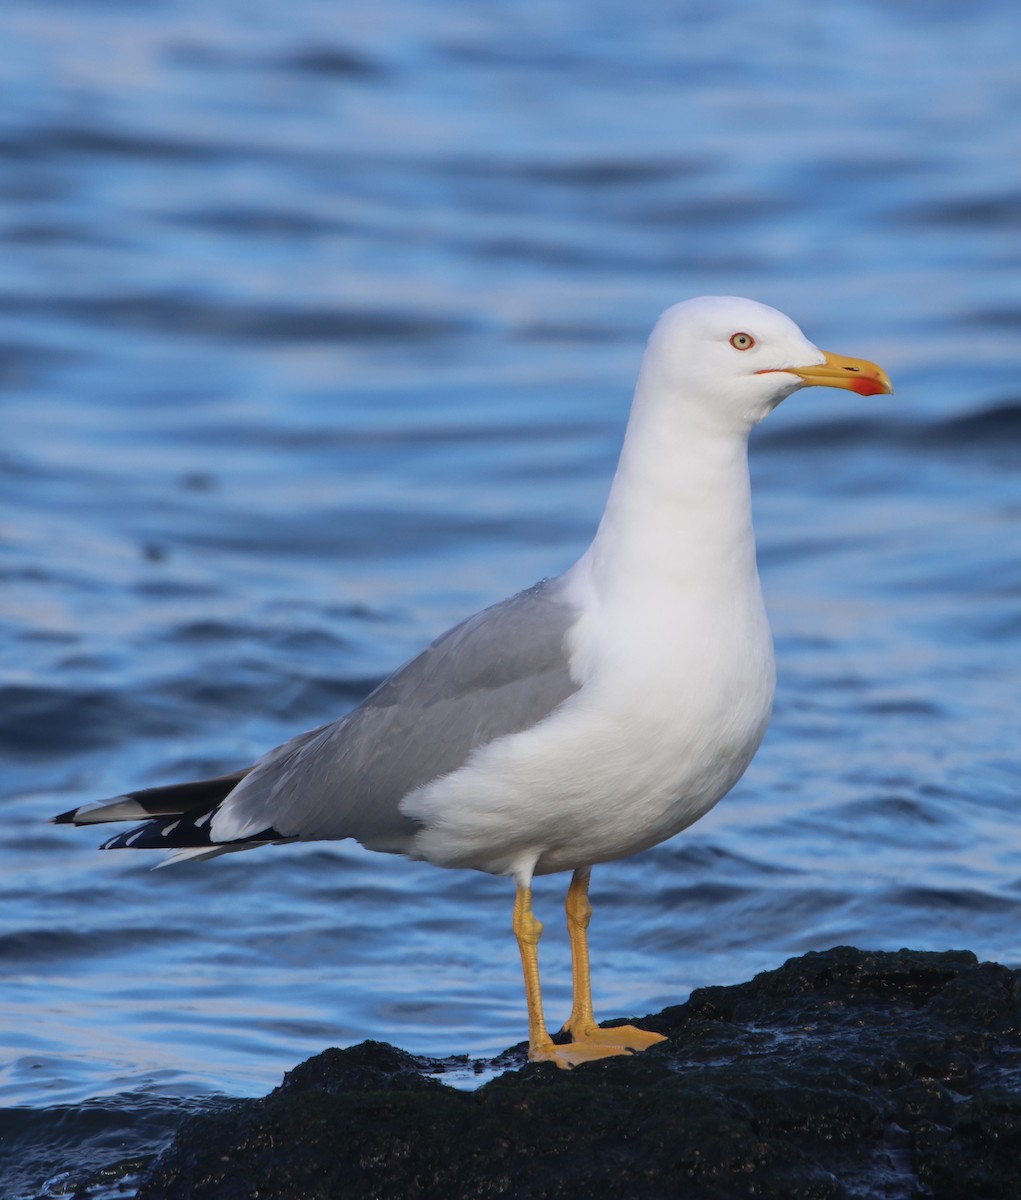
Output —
(584, 719)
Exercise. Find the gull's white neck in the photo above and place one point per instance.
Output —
(678, 525)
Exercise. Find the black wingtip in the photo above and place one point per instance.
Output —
(64, 818)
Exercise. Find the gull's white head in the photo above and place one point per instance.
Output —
(731, 361)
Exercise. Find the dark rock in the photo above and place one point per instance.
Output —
(368, 1067)
(842, 1074)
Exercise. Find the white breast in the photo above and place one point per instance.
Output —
(670, 713)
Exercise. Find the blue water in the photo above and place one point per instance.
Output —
(318, 325)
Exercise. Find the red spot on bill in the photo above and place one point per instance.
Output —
(867, 387)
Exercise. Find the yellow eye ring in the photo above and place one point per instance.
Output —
(742, 341)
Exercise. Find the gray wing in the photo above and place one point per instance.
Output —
(500, 672)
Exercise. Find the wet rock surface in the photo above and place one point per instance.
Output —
(841, 1074)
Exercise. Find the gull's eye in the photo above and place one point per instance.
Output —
(742, 341)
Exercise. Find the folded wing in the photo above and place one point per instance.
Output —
(498, 673)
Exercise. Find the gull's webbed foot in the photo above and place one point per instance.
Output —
(573, 1053)
(629, 1037)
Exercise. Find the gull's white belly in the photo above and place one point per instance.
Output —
(630, 760)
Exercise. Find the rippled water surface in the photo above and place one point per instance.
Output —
(318, 325)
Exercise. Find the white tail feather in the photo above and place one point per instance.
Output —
(197, 854)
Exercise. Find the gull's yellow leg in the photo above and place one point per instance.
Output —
(528, 930)
(582, 1022)
(540, 1045)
